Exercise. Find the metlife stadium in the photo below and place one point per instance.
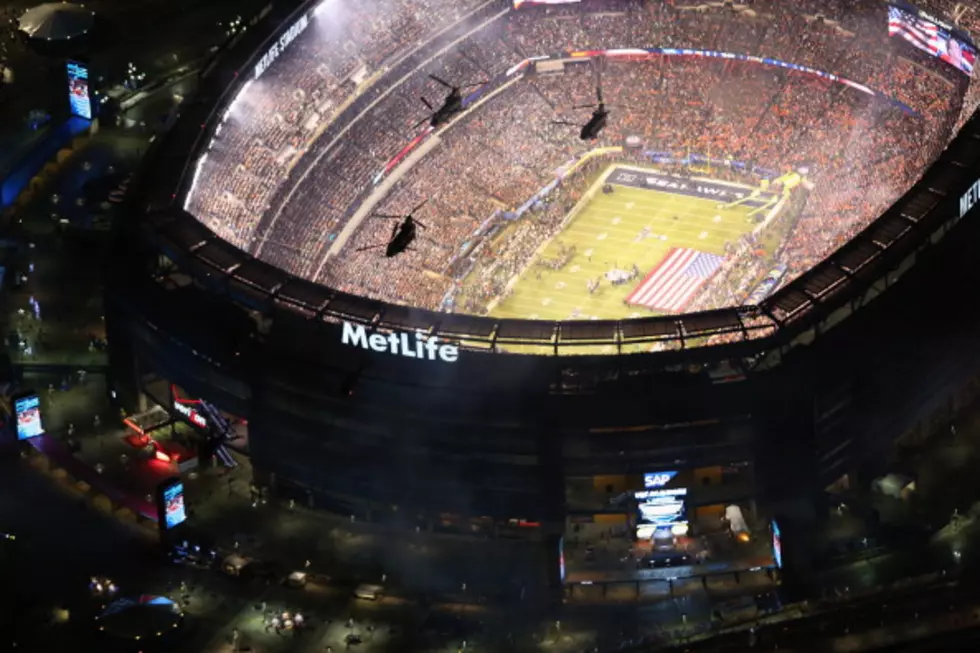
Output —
(399, 413)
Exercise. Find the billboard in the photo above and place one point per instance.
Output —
(659, 509)
(171, 506)
(930, 35)
(78, 90)
(777, 545)
(561, 559)
(27, 409)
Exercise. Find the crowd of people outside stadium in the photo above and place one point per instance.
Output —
(297, 123)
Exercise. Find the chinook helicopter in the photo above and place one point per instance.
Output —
(600, 114)
(451, 106)
(403, 233)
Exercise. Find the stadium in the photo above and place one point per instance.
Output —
(743, 281)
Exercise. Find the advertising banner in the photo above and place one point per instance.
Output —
(79, 97)
(170, 500)
(777, 545)
(28, 411)
(766, 287)
(659, 509)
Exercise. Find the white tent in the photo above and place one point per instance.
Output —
(736, 520)
(56, 21)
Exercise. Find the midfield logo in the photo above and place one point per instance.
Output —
(399, 344)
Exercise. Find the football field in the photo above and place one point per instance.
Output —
(615, 232)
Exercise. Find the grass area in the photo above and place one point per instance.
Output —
(606, 235)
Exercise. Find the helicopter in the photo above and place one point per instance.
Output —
(402, 234)
(451, 106)
(600, 116)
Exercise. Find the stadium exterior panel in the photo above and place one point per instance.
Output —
(390, 412)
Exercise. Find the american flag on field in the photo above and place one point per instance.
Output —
(672, 284)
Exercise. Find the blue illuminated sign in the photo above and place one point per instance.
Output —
(777, 545)
(174, 511)
(28, 411)
(658, 479)
(78, 90)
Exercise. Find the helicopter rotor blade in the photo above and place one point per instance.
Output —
(565, 122)
(364, 249)
(426, 103)
(420, 122)
(441, 81)
(584, 106)
(413, 211)
(419, 224)
(387, 216)
(598, 93)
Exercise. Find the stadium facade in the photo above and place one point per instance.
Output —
(392, 413)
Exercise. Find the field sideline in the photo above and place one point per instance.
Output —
(606, 234)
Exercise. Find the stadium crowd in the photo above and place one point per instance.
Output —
(308, 141)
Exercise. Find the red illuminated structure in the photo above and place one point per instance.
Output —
(141, 427)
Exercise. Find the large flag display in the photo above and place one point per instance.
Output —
(928, 36)
(672, 284)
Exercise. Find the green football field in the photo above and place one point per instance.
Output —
(606, 235)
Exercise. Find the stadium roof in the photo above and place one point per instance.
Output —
(855, 273)
(56, 21)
